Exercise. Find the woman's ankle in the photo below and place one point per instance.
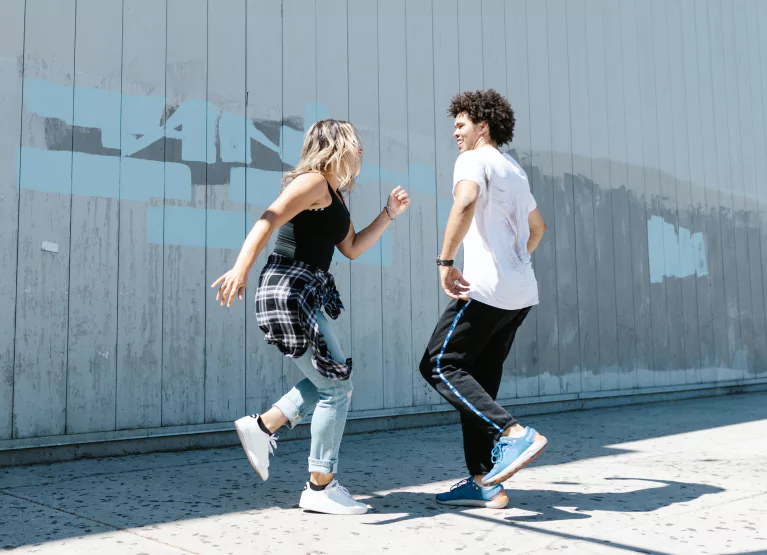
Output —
(273, 419)
(320, 479)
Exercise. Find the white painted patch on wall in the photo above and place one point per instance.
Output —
(674, 254)
(50, 247)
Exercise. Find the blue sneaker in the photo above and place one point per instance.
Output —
(512, 454)
(469, 493)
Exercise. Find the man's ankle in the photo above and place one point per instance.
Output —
(478, 478)
(514, 430)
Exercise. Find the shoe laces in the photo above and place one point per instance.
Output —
(335, 485)
(462, 483)
(497, 454)
(272, 439)
(272, 443)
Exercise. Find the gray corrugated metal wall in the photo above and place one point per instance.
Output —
(140, 139)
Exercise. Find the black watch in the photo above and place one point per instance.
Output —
(441, 262)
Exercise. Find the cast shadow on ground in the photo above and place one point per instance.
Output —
(554, 505)
(72, 499)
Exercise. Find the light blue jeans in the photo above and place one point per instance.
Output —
(330, 400)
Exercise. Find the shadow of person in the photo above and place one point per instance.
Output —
(550, 505)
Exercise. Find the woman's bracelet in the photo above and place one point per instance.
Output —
(389, 211)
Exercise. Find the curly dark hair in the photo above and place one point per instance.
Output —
(488, 106)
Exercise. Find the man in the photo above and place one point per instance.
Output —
(496, 218)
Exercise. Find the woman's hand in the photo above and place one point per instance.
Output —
(398, 201)
(232, 284)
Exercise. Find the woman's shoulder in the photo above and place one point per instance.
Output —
(308, 180)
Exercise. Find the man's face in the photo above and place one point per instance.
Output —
(466, 132)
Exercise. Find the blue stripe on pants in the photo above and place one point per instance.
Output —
(463, 399)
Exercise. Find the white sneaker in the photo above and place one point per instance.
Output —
(333, 500)
(258, 445)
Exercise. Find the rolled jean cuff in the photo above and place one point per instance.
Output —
(323, 467)
(291, 412)
(508, 424)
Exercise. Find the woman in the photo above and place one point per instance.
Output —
(294, 285)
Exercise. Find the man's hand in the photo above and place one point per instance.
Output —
(448, 276)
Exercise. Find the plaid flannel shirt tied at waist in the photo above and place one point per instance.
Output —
(287, 300)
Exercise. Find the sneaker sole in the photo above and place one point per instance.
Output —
(532, 453)
(492, 504)
(337, 513)
(247, 453)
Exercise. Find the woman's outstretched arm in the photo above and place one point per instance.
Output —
(356, 243)
(302, 193)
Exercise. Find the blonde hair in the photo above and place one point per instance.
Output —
(329, 145)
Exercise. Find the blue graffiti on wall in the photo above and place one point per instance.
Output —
(216, 147)
(217, 143)
(675, 253)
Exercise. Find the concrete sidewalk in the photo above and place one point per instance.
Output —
(679, 478)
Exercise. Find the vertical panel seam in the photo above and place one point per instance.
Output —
(660, 185)
(664, 16)
(761, 83)
(704, 186)
(743, 5)
(205, 250)
(380, 190)
(348, 197)
(458, 61)
(628, 213)
(717, 204)
(530, 128)
(283, 381)
(434, 125)
(14, 435)
(733, 163)
(245, 151)
(718, 187)
(742, 184)
(407, 155)
(610, 190)
(551, 170)
(686, 130)
(482, 42)
(509, 357)
(410, 214)
(164, 176)
(649, 201)
(593, 199)
(71, 205)
(119, 203)
(727, 109)
(572, 180)
(628, 190)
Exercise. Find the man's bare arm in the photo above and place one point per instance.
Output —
(537, 227)
(459, 222)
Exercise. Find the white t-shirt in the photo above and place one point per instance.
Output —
(496, 262)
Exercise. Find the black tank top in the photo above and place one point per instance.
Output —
(312, 235)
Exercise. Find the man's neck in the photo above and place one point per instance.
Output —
(484, 144)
